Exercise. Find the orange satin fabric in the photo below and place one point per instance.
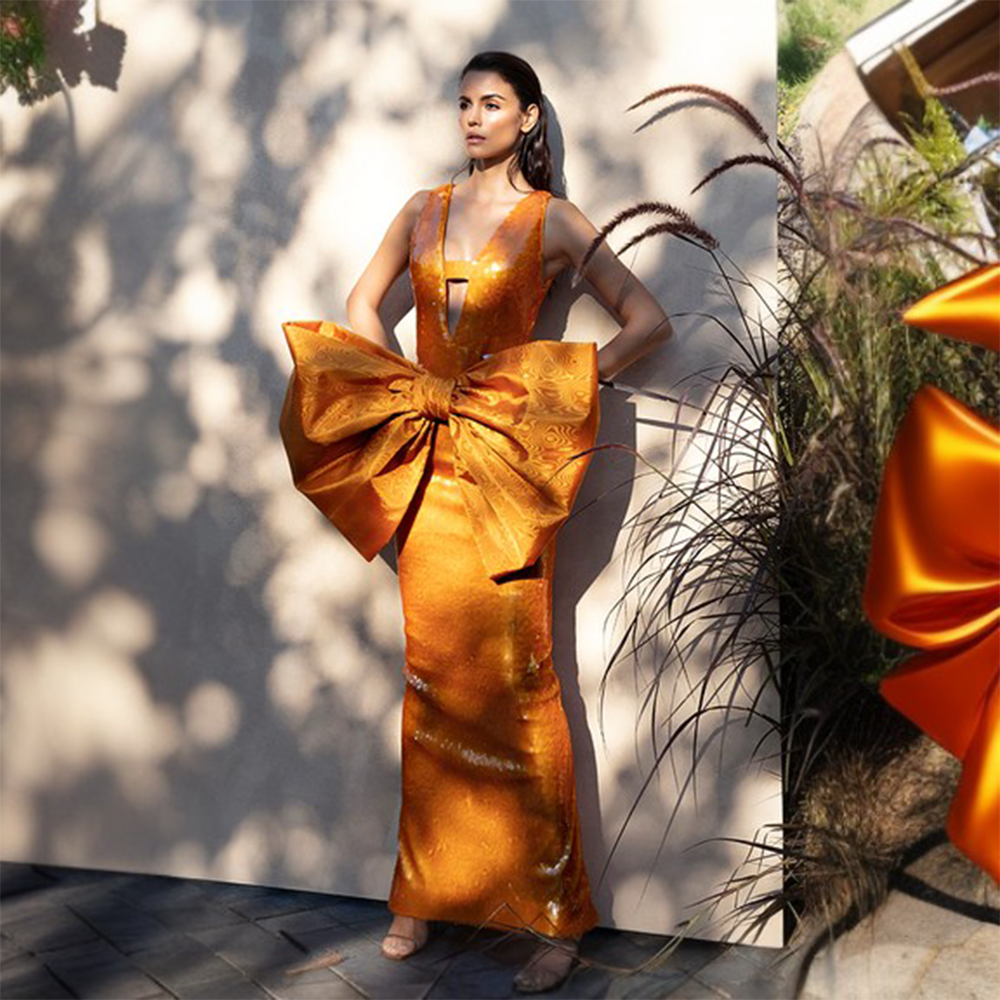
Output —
(966, 309)
(472, 458)
(934, 571)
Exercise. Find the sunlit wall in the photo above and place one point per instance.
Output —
(200, 677)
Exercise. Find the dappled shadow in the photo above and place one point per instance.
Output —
(76, 49)
(200, 676)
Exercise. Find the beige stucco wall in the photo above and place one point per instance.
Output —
(200, 677)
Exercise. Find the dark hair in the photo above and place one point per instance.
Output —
(533, 155)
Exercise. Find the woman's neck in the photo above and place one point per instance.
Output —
(493, 181)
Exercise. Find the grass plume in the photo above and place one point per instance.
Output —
(740, 110)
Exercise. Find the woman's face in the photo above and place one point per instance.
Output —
(490, 116)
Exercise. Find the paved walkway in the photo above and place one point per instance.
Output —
(937, 937)
(74, 933)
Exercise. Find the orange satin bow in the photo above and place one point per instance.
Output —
(934, 570)
(358, 426)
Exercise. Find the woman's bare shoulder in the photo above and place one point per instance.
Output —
(406, 218)
(568, 232)
(566, 218)
(416, 202)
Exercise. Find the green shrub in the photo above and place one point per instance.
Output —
(22, 47)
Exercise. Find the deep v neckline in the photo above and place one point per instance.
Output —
(490, 240)
(473, 262)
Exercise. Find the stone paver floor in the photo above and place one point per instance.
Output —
(75, 933)
(87, 934)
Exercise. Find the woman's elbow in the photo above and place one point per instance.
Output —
(661, 330)
(653, 326)
(358, 305)
(354, 298)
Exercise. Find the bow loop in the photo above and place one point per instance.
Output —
(432, 396)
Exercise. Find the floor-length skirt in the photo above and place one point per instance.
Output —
(488, 832)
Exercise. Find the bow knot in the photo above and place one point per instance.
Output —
(432, 396)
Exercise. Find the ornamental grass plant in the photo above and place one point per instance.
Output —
(754, 562)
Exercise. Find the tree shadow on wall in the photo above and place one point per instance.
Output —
(71, 49)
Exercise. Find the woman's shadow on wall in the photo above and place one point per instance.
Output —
(585, 547)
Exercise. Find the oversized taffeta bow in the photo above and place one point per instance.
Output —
(934, 571)
(358, 426)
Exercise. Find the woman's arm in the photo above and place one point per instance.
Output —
(568, 234)
(383, 269)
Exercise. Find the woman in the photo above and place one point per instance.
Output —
(472, 458)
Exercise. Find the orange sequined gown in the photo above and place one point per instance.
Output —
(472, 457)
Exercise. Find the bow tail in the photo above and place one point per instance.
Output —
(517, 517)
(366, 491)
(974, 817)
(943, 691)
